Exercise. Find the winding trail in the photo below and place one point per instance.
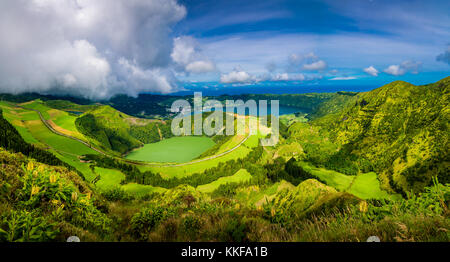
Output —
(126, 160)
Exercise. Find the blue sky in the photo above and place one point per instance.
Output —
(99, 48)
(326, 42)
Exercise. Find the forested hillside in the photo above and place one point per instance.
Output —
(399, 130)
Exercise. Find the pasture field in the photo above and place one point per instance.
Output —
(240, 176)
(38, 105)
(75, 162)
(59, 143)
(139, 190)
(365, 185)
(109, 178)
(187, 170)
(172, 150)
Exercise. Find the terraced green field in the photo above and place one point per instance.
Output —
(172, 150)
(240, 176)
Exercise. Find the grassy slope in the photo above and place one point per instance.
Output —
(240, 176)
(400, 131)
(35, 132)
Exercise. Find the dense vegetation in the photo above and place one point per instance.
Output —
(399, 131)
(43, 203)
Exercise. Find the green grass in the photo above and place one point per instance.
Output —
(38, 105)
(172, 150)
(44, 135)
(109, 178)
(335, 179)
(240, 176)
(137, 189)
(187, 170)
(367, 186)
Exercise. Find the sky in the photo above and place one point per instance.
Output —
(99, 48)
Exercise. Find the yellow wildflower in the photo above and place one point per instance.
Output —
(62, 206)
(259, 208)
(88, 195)
(55, 202)
(34, 190)
(30, 166)
(52, 178)
(363, 206)
(41, 168)
(273, 212)
(74, 196)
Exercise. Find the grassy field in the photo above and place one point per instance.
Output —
(109, 178)
(30, 127)
(240, 176)
(137, 189)
(172, 150)
(365, 186)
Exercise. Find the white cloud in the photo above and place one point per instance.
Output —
(187, 55)
(371, 71)
(281, 77)
(236, 76)
(315, 66)
(201, 67)
(343, 78)
(309, 61)
(394, 70)
(75, 46)
(403, 68)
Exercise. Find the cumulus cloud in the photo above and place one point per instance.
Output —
(444, 57)
(309, 62)
(405, 67)
(189, 58)
(371, 71)
(237, 76)
(315, 66)
(90, 48)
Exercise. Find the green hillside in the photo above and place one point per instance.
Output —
(119, 132)
(399, 130)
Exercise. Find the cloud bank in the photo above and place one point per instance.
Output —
(88, 48)
(405, 67)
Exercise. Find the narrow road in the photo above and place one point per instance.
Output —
(129, 161)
